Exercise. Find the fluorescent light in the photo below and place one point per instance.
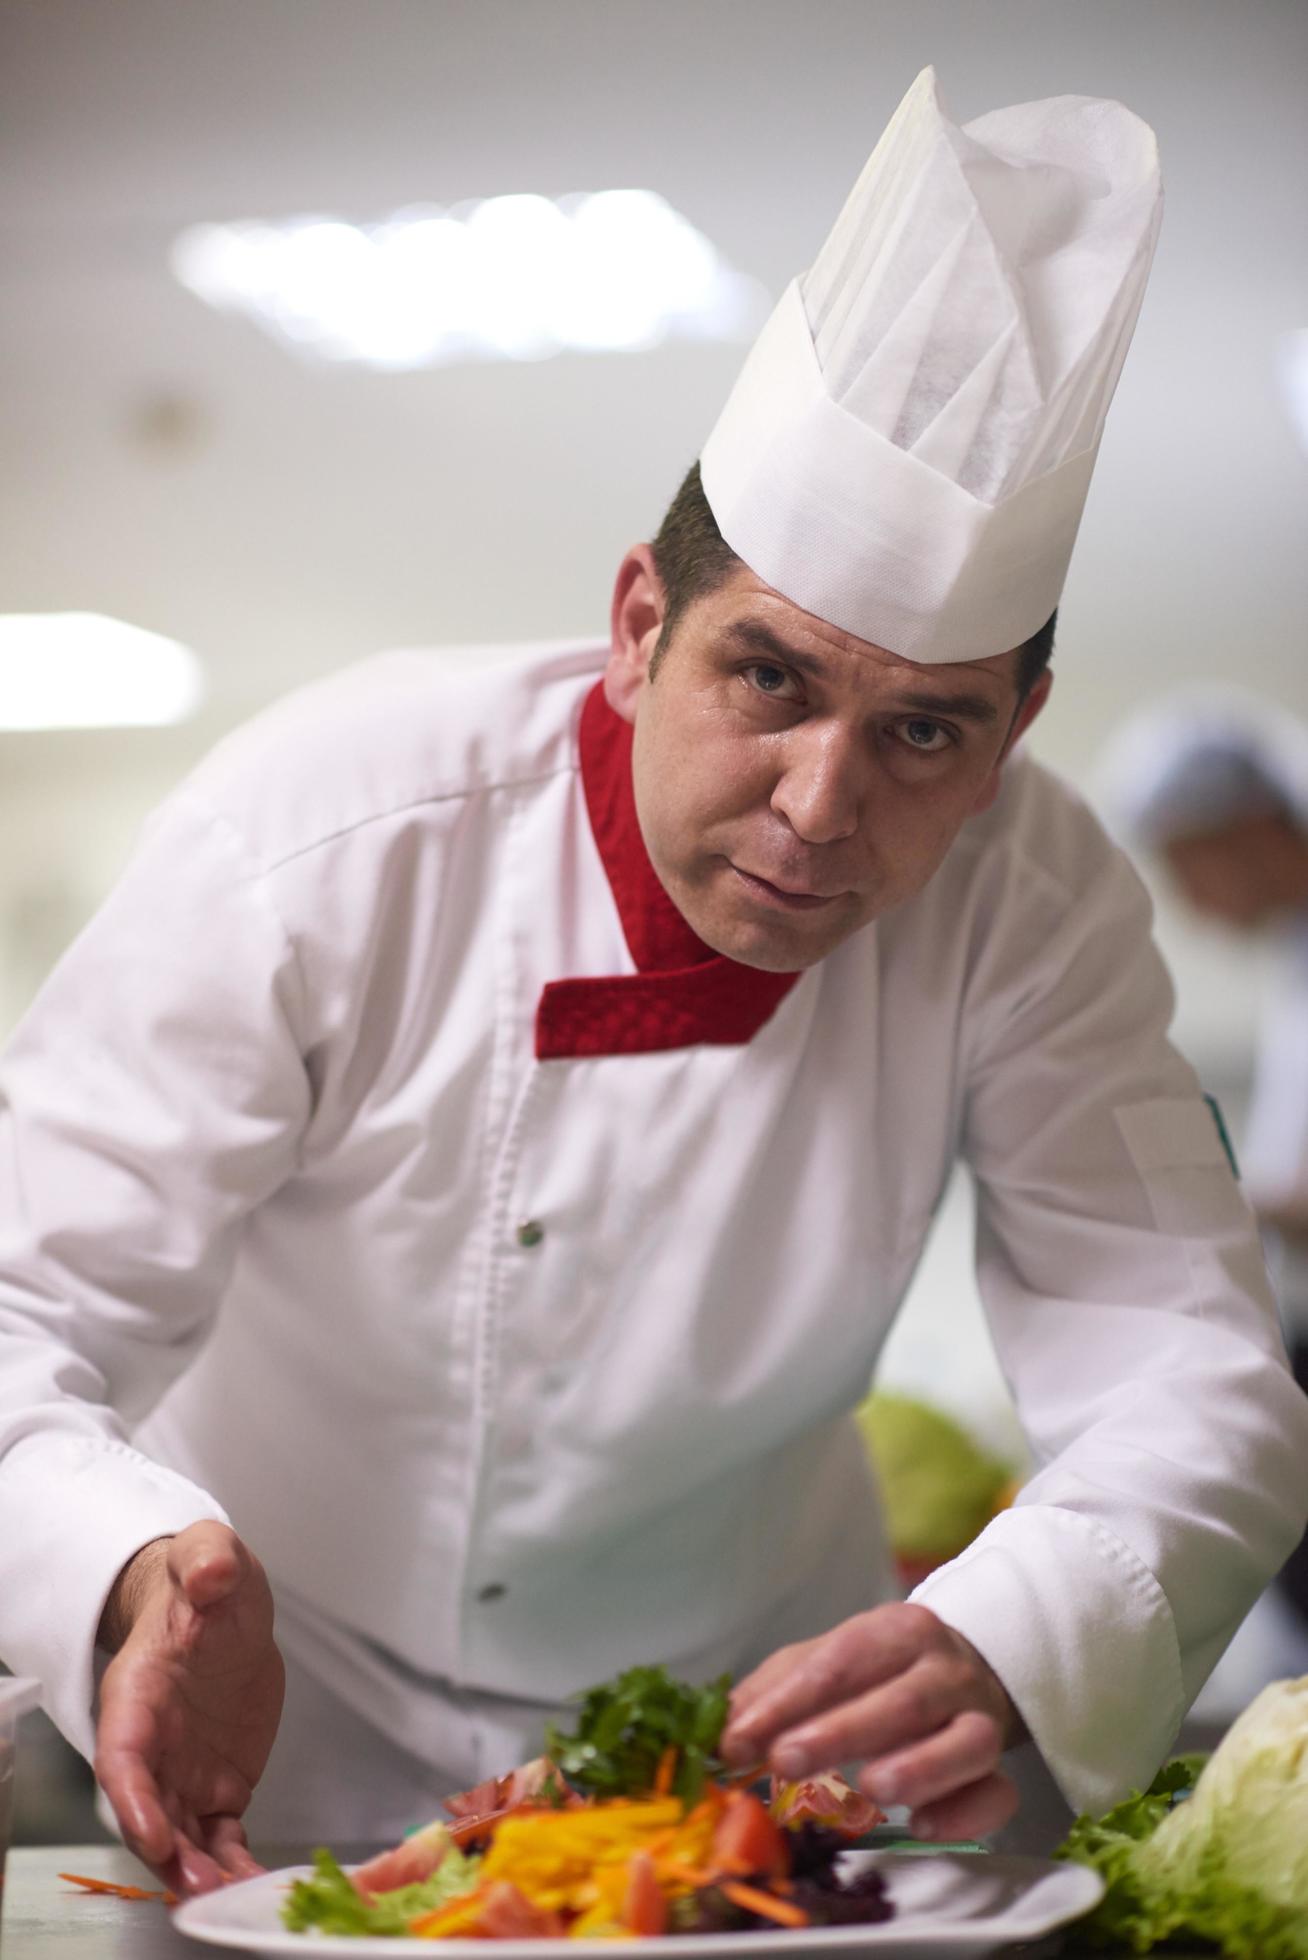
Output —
(82, 670)
(512, 278)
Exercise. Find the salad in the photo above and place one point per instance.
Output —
(632, 1825)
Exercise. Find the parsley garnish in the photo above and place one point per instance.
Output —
(625, 1726)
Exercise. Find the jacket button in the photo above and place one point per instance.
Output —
(488, 1593)
(530, 1232)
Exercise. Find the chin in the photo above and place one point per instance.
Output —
(770, 952)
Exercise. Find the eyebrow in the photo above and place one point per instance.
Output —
(757, 638)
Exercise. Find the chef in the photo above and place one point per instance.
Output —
(457, 1189)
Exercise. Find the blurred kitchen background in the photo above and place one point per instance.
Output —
(366, 463)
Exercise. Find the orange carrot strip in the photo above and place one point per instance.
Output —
(685, 1874)
(458, 1913)
(748, 1775)
(116, 1891)
(667, 1769)
(764, 1904)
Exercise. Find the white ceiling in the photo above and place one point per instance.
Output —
(175, 467)
(172, 465)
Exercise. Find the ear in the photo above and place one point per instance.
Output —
(1022, 720)
(636, 620)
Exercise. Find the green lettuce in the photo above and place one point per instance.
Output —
(1214, 1850)
(329, 1902)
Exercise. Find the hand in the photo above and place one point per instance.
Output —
(903, 1694)
(189, 1705)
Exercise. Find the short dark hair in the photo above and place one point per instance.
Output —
(692, 558)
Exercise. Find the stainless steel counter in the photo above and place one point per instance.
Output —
(44, 1919)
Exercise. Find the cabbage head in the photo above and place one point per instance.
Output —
(1221, 1855)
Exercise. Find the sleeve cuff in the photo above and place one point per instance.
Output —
(73, 1510)
(1081, 1635)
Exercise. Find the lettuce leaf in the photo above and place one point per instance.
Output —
(1145, 1904)
(329, 1902)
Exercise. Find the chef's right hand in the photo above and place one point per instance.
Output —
(189, 1704)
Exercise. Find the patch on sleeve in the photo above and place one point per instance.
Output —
(1186, 1164)
(1223, 1133)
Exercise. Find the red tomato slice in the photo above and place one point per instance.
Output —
(644, 1908)
(477, 1811)
(747, 1843)
(507, 1915)
(407, 1864)
(482, 1797)
(521, 1786)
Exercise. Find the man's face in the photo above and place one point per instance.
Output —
(1246, 874)
(792, 782)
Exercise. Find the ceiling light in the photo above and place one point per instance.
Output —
(81, 670)
(511, 278)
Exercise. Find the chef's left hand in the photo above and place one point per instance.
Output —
(900, 1693)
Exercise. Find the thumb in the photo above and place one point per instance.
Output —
(205, 1562)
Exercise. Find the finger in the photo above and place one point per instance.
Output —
(971, 1813)
(757, 1683)
(207, 1562)
(915, 1704)
(137, 1804)
(737, 1745)
(856, 1656)
(967, 1749)
(224, 1839)
(196, 1871)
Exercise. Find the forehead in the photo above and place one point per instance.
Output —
(744, 616)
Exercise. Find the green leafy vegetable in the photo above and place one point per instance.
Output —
(938, 1486)
(329, 1902)
(1215, 1851)
(626, 1725)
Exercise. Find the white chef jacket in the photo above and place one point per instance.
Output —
(515, 1372)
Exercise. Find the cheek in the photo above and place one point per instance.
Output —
(915, 834)
(689, 778)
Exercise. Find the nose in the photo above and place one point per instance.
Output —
(822, 785)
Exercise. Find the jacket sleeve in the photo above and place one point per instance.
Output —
(153, 1095)
(1122, 1275)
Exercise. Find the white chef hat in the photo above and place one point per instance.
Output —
(1199, 759)
(907, 449)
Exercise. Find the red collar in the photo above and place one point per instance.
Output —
(682, 992)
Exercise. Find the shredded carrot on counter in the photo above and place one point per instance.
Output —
(116, 1891)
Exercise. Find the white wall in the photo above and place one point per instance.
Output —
(170, 465)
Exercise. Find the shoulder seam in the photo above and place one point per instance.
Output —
(265, 868)
(1018, 853)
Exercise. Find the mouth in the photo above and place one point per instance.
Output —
(777, 895)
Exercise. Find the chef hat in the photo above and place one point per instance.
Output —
(1200, 759)
(908, 447)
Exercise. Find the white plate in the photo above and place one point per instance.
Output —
(948, 1907)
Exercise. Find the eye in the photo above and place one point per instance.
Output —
(926, 737)
(765, 677)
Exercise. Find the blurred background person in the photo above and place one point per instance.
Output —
(1212, 784)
